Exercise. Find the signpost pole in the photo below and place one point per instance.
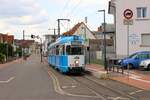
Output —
(128, 14)
(128, 39)
(128, 46)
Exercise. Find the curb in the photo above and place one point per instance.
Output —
(126, 84)
(99, 74)
(104, 75)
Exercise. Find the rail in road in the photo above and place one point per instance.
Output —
(100, 90)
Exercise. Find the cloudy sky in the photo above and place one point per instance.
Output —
(37, 16)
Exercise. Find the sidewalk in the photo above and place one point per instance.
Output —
(134, 78)
(11, 62)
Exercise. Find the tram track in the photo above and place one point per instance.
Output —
(59, 90)
(100, 89)
(111, 89)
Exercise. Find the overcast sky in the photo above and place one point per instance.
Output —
(37, 16)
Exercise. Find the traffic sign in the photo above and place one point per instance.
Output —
(128, 14)
(128, 21)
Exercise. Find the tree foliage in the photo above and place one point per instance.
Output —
(3, 49)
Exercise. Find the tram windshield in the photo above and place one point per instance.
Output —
(74, 50)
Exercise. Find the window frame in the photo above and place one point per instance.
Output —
(142, 43)
(140, 12)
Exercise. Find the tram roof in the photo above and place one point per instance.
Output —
(65, 39)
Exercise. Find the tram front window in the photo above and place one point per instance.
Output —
(74, 50)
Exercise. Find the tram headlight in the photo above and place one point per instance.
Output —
(76, 62)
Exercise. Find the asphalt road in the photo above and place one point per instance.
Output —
(33, 80)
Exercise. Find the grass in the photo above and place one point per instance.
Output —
(98, 61)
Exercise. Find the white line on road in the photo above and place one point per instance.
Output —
(137, 77)
(132, 93)
(120, 98)
(60, 91)
(9, 80)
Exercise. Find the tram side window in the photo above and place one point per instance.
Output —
(60, 51)
(63, 50)
(54, 51)
(68, 50)
(57, 50)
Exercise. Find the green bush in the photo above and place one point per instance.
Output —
(2, 57)
(18, 52)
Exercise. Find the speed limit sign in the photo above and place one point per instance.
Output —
(128, 14)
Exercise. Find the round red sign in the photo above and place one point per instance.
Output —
(128, 14)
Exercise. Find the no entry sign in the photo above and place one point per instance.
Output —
(128, 14)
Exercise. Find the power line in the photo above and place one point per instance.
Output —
(74, 8)
(65, 6)
(64, 26)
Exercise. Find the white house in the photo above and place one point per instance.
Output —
(139, 32)
(82, 30)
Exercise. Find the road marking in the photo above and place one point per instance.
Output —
(72, 86)
(9, 80)
(58, 89)
(119, 98)
(132, 93)
(136, 77)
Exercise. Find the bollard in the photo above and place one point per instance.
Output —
(117, 69)
(122, 70)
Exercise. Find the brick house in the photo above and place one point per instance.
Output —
(4, 38)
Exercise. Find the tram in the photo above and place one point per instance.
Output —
(67, 54)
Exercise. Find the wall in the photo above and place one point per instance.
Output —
(139, 26)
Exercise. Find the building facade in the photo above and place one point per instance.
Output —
(82, 30)
(49, 38)
(28, 46)
(4, 38)
(137, 37)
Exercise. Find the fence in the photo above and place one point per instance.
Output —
(114, 66)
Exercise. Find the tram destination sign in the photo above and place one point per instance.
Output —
(76, 43)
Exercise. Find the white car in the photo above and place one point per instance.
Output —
(145, 64)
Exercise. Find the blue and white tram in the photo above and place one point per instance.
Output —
(67, 54)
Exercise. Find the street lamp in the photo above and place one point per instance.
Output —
(104, 32)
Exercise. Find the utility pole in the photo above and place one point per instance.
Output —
(37, 37)
(54, 33)
(104, 32)
(59, 25)
(23, 43)
(41, 50)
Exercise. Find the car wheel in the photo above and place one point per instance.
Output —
(148, 67)
(130, 66)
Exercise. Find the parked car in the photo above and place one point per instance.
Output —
(145, 64)
(134, 60)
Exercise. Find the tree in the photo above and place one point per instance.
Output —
(3, 49)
